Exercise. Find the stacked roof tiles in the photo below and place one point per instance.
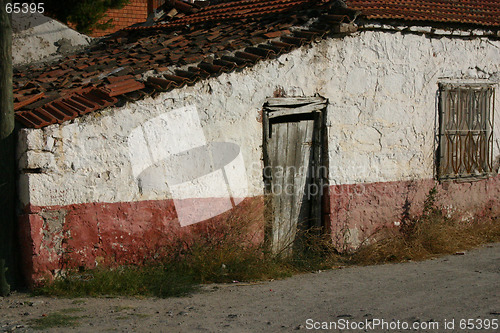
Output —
(202, 43)
(477, 12)
(243, 9)
(178, 53)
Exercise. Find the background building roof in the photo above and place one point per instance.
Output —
(477, 12)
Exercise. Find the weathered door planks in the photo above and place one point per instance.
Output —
(292, 151)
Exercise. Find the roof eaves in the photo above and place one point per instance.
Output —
(56, 96)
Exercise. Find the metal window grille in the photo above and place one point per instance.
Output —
(466, 131)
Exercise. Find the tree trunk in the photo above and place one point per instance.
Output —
(7, 156)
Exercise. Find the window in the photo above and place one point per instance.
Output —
(465, 130)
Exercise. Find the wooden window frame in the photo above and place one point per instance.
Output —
(466, 118)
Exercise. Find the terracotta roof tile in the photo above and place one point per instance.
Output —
(66, 108)
(214, 40)
(112, 70)
(24, 100)
(122, 87)
(477, 12)
(236, 10)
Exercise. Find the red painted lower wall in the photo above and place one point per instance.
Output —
(86, 235)
(354, 212)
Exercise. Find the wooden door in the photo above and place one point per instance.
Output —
(293, 168)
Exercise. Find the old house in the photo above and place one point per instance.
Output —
(343, 112)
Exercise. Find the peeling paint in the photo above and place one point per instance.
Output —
(364, 208)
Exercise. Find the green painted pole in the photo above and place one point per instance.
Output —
(7, 156)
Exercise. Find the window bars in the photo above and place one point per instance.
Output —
(466, 130)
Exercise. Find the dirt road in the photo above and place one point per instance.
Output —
(444, 291)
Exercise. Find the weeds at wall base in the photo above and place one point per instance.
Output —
(223, 253)
(434, 237)
(428, 235)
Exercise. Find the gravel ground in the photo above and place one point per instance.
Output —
(442, 291)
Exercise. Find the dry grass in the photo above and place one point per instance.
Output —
(427, 236)
(231, 249)
(226, 249)
(433, 236)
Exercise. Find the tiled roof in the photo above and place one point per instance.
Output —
(476, 12)
(199, 43)
(243, 9)
(216, 39)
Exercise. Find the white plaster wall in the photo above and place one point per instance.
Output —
(35, 37)
(381, 118)
(383, 107)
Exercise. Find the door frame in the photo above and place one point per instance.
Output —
(295, 109)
